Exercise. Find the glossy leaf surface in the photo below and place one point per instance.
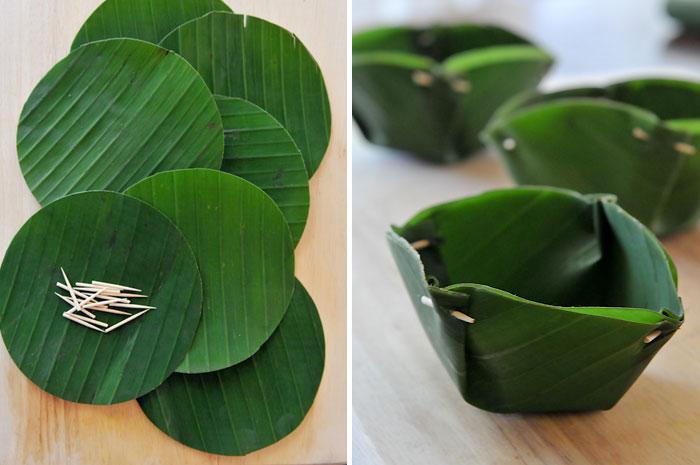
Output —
(108, 237)
(245, 254)
(253, 404)
(259, 149)
(563, 289)
(112, 113)
(431, 91)
(250, 58)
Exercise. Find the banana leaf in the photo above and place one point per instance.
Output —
(108, 237)
(636, 139)
(148, 20)
(247, 57)
(245, 254)
(253, 404)
(112, 113)
(431, 91)
(260, 150)
(538, 299)
(685, 11)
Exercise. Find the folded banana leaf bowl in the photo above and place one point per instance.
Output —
(431, 91)
(638, 140)
(687, 12)
(538, 299)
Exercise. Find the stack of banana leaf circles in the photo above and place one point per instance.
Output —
(638, 140)
(431, 91)
(687, 12)
(171, 151)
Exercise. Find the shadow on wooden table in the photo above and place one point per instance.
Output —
(644, 428)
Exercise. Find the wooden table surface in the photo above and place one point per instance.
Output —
(405, 408)
(36, 428)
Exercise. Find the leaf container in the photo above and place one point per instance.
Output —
(685, 11)
(538, 299)
(431, 91)
(636, 139)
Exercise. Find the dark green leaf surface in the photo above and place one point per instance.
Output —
(148, 20)
(623, 139)
(245, 254)
(107, 237)
(564, 288)
(431, 91)
(253, 404)
(686, 11)
(260, 150)
(247, 57)
(112, 113)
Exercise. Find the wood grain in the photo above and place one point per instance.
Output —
(37, 428)
(405, 408)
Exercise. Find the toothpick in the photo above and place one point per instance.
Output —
(640, 134)
(120, 305)
(115, 286)
(70, 289)
(75, 306)
(651, 336)
(461, 316)
(684, 148)
(103, 303)
(109, 310)
(109, 293)
(90, 298)
(89, 320)
(421, 244)
(422, 78)
(74, 318)
(125, 321)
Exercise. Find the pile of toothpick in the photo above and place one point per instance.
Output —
(97, 296)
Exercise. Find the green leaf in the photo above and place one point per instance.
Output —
(247, 57)
(109, 237)
(148, 20)
(245, 254)
(253, 404)
(634, 139)
(563, 289)
(112, 113)
(260, 150)
(685, 11)
(431, 91)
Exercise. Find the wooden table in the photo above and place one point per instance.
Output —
(405, 408)
(36, 428)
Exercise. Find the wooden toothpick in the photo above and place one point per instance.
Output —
(74, 305)
(125, 321)
(102, 303)
(461, 316)
(81, 322)
(89, 320)
(109, 310)
(115, 286)
(421, 244)
(70, 289)
(651, 336)
(120, 305)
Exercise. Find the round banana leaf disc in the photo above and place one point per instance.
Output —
(259, 149)
(148, 20)
(103, 236)
(112, 113)
(247, 57)
(253, 404)
(245, 254)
